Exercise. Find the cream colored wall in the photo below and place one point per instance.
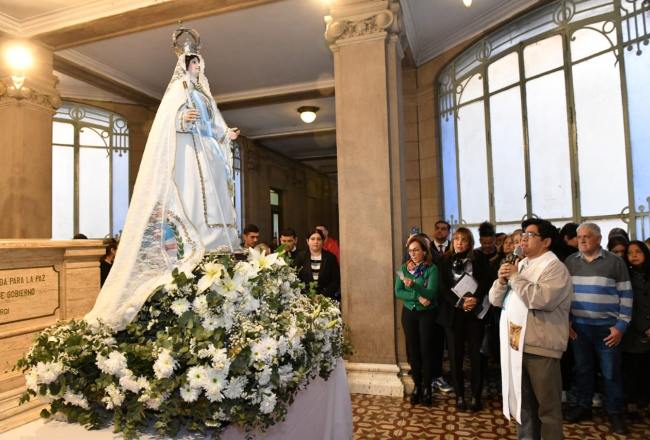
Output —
(308, 197)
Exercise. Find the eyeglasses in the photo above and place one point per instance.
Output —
(530, 234)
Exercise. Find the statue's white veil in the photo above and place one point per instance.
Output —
(142, 263)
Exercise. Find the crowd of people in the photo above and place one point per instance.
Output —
(575, 316)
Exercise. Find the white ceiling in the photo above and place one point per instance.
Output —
(250, 52)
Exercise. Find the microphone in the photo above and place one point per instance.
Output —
(515, 256)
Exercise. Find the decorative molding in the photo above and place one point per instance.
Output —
(9, 94)
(9, 25)
(486, 21)
(71, 15)
(72, 88)
(285, 133)
(360, 22)
(92, 65)
(410, 29)
(276, 95)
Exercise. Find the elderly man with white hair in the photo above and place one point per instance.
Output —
(600, 312)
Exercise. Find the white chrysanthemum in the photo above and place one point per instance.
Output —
(76, 399)
(114, 364)
(213, 272)
(48, 372)
(211, 322)
(249, 304)
(130, 383)
(109, 341)
(200, 305)
(267, 405)
(31, 379)
(286, 374)
(264, 376)
(153, 401)
(114, 397)
(235, 388)
(180, 306)
(165, 364)
(214, 386)
(264, 350)
(197, 376)
(189, 394)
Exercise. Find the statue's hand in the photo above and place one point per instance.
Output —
(233, 133)
(190, 115)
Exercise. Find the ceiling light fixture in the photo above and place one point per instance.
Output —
(467, 3)
(308, 113)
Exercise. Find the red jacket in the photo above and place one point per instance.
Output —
(331, 245)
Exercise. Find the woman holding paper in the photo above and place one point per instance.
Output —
(465, 279)
(417, 285)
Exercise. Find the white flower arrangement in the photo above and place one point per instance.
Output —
(230, 342)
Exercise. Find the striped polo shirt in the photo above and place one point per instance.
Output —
(602, 292)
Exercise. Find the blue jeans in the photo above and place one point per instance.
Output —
(590, 339)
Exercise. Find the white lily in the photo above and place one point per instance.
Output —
(213, 272)
(262, 261)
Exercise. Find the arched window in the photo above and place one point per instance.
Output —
(90, 172)
(548, 116)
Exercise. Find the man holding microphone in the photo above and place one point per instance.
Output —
(534, 331)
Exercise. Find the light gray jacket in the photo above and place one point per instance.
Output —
(548, 301)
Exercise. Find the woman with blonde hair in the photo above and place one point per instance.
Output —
(460, 311)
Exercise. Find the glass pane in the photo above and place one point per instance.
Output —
(601, 140)
(120, 190)
(637, 69)
(508, 155)
(62, 133)
(642, 228)
(275, 198)
(593, 39)
(472, 158)
(449, 175)
(508, 228)
(550, 173)
(93, 193)
(93, 137)
(607, 225)
(543, 56)
(503, 72)
(473, 89)
(62, 193)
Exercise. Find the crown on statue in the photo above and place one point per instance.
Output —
(185, 40)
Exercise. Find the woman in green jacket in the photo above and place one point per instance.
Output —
(417, 286)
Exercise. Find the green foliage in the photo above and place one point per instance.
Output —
(253, 327)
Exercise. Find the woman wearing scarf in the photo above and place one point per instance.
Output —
(459, 312)
(417, 285)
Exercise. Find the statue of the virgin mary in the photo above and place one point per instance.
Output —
(182, 201)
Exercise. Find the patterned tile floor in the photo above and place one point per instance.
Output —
(377, 417)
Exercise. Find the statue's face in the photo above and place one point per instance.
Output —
(194, 68)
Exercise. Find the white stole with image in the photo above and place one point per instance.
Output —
(512, 332)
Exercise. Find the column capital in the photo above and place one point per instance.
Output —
(353, 21)
(9, 95)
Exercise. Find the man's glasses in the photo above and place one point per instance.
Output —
(530, 234)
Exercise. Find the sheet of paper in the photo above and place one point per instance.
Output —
(466, 284)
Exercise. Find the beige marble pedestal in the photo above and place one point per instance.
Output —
(41, 282)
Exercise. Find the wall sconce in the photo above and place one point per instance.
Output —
(308, 113)
(467, 3)
(19, 59)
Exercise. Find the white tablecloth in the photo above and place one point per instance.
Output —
(323, 411)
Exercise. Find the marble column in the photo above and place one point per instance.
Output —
(364, 36)
(26, 146)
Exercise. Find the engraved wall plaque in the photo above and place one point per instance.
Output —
(28, 293)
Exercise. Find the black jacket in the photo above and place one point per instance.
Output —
(329, 278)
(447, 299)
(635, 333)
